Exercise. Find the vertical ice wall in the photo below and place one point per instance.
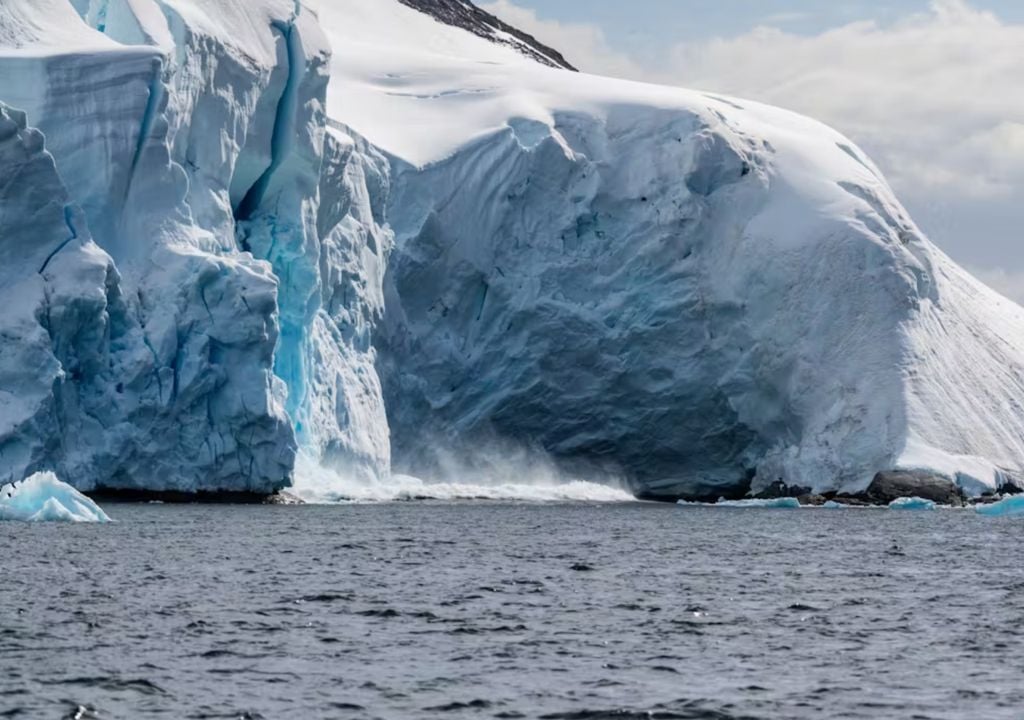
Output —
(192, 135)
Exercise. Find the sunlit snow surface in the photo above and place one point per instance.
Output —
(44, 498)
(1009, 507)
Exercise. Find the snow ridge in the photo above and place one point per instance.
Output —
(465, 15)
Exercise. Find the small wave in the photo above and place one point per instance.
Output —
(316, 484)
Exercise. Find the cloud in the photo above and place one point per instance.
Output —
(936, 98)
(584, 45)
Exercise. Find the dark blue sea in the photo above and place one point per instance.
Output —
(513, 610)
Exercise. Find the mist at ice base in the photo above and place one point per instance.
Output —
(501, 475)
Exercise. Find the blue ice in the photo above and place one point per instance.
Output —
(911, 503)
(1008, 507)
(44, 498)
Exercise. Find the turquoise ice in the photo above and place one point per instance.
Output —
(1008, 507)
(44, 498)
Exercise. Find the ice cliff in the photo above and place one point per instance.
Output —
(219, 314)
(349, 231)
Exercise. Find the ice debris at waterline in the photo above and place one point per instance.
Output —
(44, 498)
(1008, 507)
(786, 503)
(911, 503)
(316, 484)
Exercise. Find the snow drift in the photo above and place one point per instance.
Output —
(237, 244)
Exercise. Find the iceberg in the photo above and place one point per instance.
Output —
(911, 503)
(1007, 507)
(44, 498)
(787, 503)
(226, 245)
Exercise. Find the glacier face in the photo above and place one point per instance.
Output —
(194, 154)
(701, 294)
(262, 230)
(621, 298)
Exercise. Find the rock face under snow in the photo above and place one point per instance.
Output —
(236, 247)
(467, 16)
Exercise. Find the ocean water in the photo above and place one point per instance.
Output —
(513, 610)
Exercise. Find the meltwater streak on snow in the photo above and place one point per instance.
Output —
(318, 485)
(44, 498)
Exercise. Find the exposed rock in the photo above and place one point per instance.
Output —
(779, 489)
(467, 16)
(889, 486)
(814, 500)
(851, 501)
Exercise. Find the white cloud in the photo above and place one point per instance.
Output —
(583, 45)
(937, 98)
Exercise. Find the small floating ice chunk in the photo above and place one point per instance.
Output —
(833, 505)
(786, 503)
(1008, 507)
(911, 503)
(44, 498)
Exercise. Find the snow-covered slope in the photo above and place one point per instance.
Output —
(697, 290)
(695, 293)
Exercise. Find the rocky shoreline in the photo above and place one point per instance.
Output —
(888, 487)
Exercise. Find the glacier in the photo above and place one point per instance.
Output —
(251, 244)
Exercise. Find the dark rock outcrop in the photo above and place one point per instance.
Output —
(889, 486)
(779, 489)
(464, 14)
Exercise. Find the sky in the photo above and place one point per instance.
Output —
(933, 90)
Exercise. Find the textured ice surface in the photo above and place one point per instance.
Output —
(192, 137)
(699, 291)
(236, 245)
(911, 503)
(44, 498)
(1008, 507)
